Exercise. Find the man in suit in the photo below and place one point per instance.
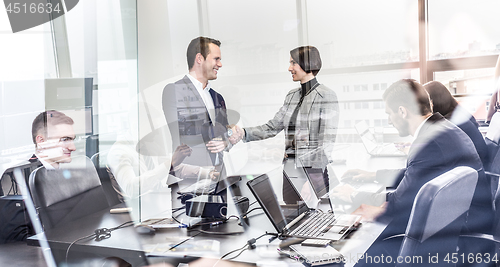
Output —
(439, 146)
(196, 113)
(53, 136)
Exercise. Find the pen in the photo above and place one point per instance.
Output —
(183, 241)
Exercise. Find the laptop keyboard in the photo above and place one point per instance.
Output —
(316, 225)
(205, 186)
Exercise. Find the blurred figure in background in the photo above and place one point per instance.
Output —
(494, 100)
(444, 103)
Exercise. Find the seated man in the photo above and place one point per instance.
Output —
(53, 136)
(439, 146)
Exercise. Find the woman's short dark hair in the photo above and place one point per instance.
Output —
(442, 100)
(308, 58)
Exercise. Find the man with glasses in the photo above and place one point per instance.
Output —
(53, 136)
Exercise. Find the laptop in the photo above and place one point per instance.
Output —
(317, 180)
(303, 222)
(372, 147)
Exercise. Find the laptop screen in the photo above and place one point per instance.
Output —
(263, 191)
(367, 137)
(292, 196)
(318, 180)
(314, 165)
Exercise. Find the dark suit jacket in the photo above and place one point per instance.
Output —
(470, 127)
(189, 122)
(439, 147)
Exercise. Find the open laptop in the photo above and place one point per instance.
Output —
(306, 222)
(321, 188)
(371, 146)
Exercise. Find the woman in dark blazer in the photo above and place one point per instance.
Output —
(444, 103)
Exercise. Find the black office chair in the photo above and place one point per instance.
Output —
(65, 195)
(492, 140)
(114, 193)
(438, 214)
(493, 239)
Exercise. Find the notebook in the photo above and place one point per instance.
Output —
(304, 222)
(320, 180)
(372, 147)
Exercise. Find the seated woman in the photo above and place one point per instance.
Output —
(444, 103)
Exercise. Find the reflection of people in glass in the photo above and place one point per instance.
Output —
(309, 115)
(193, 110)
(439, 146)
(53, 135)
(444, 103)
(136, 165)
(132, 170)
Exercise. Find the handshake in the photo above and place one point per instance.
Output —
(218, 145)
(237, 135)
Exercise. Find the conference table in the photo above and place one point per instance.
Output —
(127, 244)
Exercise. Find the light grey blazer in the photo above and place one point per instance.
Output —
(316, 126)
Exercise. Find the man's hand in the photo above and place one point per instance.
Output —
(368, 212)
(358, 175)
(216, 145)
(403, 146)
(343, 192)
(180, 153)
(214, 175)
(238, 134)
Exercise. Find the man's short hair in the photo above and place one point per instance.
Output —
(199, 45)
(409, 94)
(49, 117)
(308, 58)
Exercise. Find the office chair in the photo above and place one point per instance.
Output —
(492, 141)
(65, 195)
(492, 239)
(438, 214)
(113, 191)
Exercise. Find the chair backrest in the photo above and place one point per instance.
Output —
(439, 212)
(494, 128)
(114, 193)
(492, 140)
(64, 195)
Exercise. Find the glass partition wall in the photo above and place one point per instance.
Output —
(131, 49)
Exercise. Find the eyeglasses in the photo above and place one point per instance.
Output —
(66, 139)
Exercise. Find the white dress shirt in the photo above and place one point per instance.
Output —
(205, 96)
